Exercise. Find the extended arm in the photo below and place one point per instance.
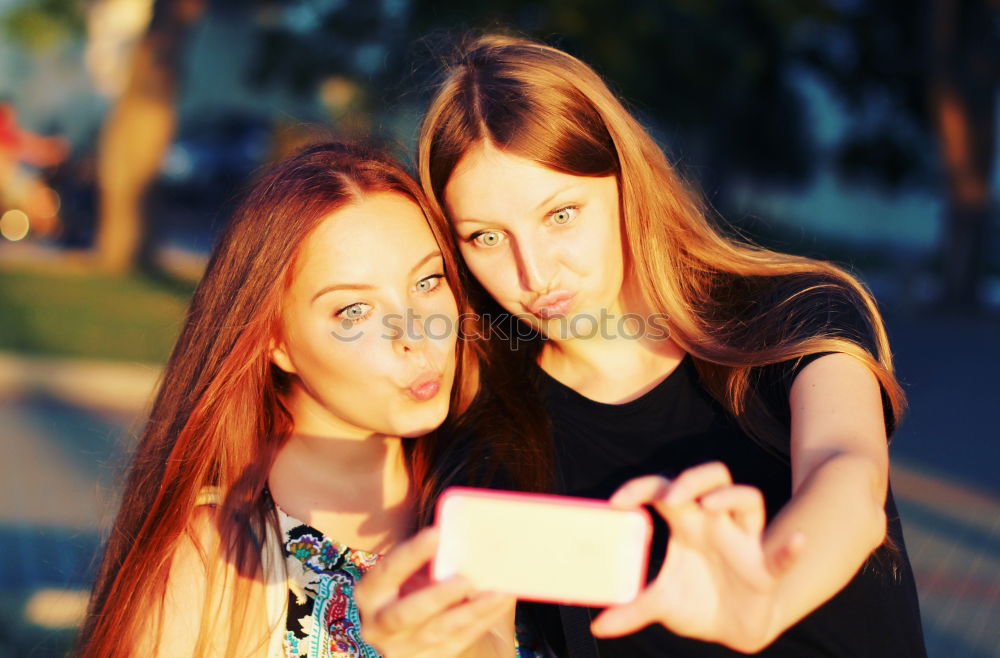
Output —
(840, 471)
(725, 578)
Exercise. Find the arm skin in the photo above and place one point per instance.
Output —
(726, 579)
(840, 473)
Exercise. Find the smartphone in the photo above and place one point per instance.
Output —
(556, 549)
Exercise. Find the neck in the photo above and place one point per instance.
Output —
(604, 358)
(346, 482)
(323, 448)
(619, 362)
(356, 491)
(337, 457)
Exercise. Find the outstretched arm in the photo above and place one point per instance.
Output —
(840, 474)
(727, 579)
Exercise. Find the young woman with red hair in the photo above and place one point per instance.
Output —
(747, 395)
(292, 441)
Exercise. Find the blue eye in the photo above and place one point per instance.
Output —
(487, 238)
(430, 283)
(564, 215)
(355, 312)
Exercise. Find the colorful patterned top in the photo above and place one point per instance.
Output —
(323, 619)
(315, 593)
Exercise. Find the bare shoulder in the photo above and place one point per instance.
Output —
(196, 549)
(173, 629)
(204, 585)
(202, 530)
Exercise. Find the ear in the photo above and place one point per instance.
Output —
(279, 355)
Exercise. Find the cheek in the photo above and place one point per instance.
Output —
(323, 364)
(611, 248)
(339, 353)
(345, 353)
(356, 375)
(441, 324)
(604, 247)
(497, 273)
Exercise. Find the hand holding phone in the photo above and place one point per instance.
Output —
(434, 619)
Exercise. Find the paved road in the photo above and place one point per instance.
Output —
(66, 426)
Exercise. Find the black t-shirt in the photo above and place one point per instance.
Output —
(677, 425)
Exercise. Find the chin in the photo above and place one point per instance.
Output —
(423, 421)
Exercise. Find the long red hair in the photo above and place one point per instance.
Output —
(218, 417)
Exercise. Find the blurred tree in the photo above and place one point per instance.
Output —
(319, 47)
(922, 77)
(41, 24)
(717, 77)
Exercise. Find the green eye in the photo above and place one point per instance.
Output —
(354, 311)
(563, 216)
(430, 283)
(488, 238)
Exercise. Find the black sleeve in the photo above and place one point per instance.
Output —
(834, 315)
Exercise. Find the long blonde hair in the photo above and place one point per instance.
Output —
(734, 306)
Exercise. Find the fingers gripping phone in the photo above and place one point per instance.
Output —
(556, 549)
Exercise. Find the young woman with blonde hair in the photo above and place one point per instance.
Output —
(747, 395)
(292, 441)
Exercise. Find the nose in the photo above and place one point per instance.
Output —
(408, 333)
(534, 265)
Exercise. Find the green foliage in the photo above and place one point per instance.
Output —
(43, 24)
(90, 316)
(710, 77)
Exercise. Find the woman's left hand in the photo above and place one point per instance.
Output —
(718, 581)
(406, 615)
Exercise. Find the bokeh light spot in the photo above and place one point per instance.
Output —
(57, 608)
(14, 225)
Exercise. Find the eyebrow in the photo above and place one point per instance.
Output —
(365, 286)
(541, 206)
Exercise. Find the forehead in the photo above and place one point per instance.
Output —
(372, 238)
(487, 180)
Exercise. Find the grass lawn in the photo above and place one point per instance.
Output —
(95, 316)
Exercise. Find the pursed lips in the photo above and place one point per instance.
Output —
(425, 385)
(552, 304)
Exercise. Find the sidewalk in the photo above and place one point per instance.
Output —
(945, 459)
(66, 428)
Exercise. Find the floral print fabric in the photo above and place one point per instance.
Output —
(323, 619)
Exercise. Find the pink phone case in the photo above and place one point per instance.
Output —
(538, 547)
